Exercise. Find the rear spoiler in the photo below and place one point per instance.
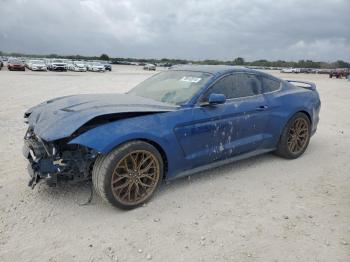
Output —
(303, 84)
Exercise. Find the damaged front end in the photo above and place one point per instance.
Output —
(53, 124)
(56, 161)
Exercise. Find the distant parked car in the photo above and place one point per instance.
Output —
(57, 65)
(290, 70)
(1, 64)
(107, 65)
(96, 67)
(339, 73)
(149, 67)
(306, 70)
(37, 65)
(79, 66)
(15, 64)
(324, 71)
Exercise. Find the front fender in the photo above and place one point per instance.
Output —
(108, 136)
(155, 128)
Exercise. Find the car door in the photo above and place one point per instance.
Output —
(238, 126)
(272, 93)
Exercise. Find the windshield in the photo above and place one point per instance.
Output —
(96, 64)
(57, 61)
(15, 61)
(174, 87)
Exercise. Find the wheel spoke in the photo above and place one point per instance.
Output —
(144, 160)
(121, 186)
(148, 167)
(149, 176)
(137, 191)
(124, 194)
(144, 184)
(119, 177)
(126, 166)
(129, 191)
(303, 135)
(134, 161)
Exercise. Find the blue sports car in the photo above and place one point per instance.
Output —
(175, 123)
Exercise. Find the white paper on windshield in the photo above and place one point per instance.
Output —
(191, 79)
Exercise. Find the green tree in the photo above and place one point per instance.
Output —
(238, 61)
(342, 64)
(104, 57)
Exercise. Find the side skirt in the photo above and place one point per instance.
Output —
(220, 163)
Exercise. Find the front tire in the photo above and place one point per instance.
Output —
(295, 137)
(129, 175)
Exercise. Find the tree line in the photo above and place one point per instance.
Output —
(236, 61)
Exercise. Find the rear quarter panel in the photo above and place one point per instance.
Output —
(287, 102)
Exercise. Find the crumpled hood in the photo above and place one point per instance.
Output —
(60, 117)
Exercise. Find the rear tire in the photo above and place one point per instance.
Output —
(295, 137)
(129, 175)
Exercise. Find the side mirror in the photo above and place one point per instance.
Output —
(215, 99)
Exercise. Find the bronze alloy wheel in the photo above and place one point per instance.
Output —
(135, 177)
(298, 135)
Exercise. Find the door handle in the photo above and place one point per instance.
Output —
(262, 108)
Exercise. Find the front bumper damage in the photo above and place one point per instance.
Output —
(58, 161)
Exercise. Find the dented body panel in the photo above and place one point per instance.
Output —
(190, 137)
(60, 117)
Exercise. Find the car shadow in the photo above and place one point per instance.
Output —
(209, 175)
(80, 192)
(77, 192)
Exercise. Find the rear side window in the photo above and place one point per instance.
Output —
(270, 85)
(236, 86)
(245, 85)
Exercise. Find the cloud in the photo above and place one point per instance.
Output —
(193, 29)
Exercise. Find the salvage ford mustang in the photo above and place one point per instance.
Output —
(175, 123)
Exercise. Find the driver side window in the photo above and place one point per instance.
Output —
(222, 86)
(236, 86)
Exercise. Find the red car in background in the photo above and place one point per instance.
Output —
(15, 64)
(339, 73)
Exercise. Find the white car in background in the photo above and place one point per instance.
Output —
(37, 65)
(79, 66)
(290, 70)
(57, 65)
(96, 67)
(149, 67)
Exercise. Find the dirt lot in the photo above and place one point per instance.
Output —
(262, 209)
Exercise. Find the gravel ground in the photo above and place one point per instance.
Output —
(261, 209)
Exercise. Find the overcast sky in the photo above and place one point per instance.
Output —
(203, 29)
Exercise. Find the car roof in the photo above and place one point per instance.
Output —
(212, 69)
